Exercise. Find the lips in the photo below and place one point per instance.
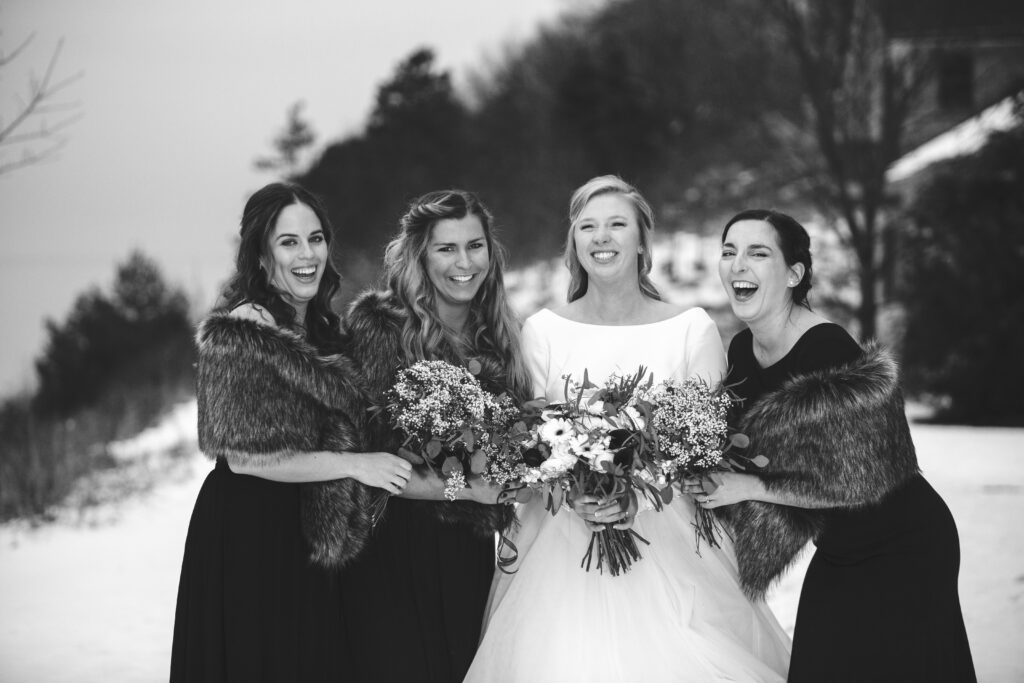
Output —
(304, 274)
(604, 255)
(462, 279)
(743, 290)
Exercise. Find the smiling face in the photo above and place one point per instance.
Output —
(754, 272)
(296, 255)
(607, 239)
(457, 260)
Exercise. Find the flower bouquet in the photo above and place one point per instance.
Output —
(449, 420)
(595, 443)
(692, 440)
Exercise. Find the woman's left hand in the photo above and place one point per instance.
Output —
(724, 488)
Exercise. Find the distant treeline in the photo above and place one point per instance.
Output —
(115, 364)
(673, 95)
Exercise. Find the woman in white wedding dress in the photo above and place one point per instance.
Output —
(675, 615)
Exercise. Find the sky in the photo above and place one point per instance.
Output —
(179, 97)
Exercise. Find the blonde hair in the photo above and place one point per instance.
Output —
(595, 187)
(493, 327)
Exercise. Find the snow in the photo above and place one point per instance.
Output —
(91, 597)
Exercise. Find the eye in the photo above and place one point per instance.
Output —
(619, 224)
(288, 242)
(317, 239)
(477, 245)
(585, 226)
(760, 254)
(728, 253)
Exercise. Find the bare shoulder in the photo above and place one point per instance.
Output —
(254, 313)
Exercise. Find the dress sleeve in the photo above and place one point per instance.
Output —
(705, 355)
(537, 356)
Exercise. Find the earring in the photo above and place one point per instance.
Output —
(640, 250)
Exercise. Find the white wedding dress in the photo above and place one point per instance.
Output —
(675, 615)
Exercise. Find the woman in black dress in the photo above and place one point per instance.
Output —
(422, 585)
(879, 601)
(288, 501)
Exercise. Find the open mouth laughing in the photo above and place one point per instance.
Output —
(743, 290)
(306, 274)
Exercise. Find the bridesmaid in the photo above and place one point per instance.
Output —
(880, 600)
(287, 501)
(422, 583)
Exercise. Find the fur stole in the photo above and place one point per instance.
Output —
(262, 390)
(374, 325)
(838, 435)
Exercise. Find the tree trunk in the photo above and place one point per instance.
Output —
(868, 309)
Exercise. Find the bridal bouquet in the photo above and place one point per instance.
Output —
(692, 440)
(598, 443)
(449, 420)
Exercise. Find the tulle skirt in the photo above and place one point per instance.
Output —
(674, 616)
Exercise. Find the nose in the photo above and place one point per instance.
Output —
(739, 263)
(601, 234)
(462, 260)
(307, 250)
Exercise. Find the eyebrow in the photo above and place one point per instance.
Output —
(452, 244)
(296, 235)
(750, 246)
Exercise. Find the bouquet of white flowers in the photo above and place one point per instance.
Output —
(693, 440)
(596, 443)
(449, 420)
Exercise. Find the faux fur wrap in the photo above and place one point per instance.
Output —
(839, 436)
(262, 390)
(374, 324)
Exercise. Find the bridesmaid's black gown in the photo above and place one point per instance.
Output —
(880, 600)
(250, 607)
(415, 598)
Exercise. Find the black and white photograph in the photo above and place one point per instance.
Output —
(675, 341)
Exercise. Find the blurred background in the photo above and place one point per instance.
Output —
(131, 133)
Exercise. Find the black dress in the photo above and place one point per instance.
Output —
(415, 597)
(880, 599)
(250, 606)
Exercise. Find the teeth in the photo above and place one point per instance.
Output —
(303, 272)
(744, 285)
(462, 278)
(604, 255)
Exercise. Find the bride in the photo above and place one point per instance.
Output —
(675, 615)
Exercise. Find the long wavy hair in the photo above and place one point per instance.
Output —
(251, 283)
(595, 187)
(492, 327)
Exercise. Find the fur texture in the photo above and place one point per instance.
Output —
(838, 436)
(374, 325)
(262, 390)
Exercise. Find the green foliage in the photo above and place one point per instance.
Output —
(289, 143)
(109, 339)
(964, 274)
(114, 365)
(653, 90)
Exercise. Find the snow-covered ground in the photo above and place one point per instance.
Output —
(91, 597)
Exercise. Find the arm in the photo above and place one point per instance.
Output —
(424, 484)
(382, 470)
(705, 356)
(729, 488)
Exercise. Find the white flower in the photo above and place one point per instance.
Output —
(556, 431)
(635, 416)
(601, 458)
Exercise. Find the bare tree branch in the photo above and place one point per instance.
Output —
(40, 103)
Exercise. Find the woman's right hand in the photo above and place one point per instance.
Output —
(382, 470)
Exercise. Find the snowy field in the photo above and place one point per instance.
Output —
(90, 597)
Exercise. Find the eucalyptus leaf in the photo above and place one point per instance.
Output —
(739, 440)
(474, 366)
(469, 438)
(666, 495)
(451, 464)
(433, 448)
(556, 498)
(478, 463)
(759, 461)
